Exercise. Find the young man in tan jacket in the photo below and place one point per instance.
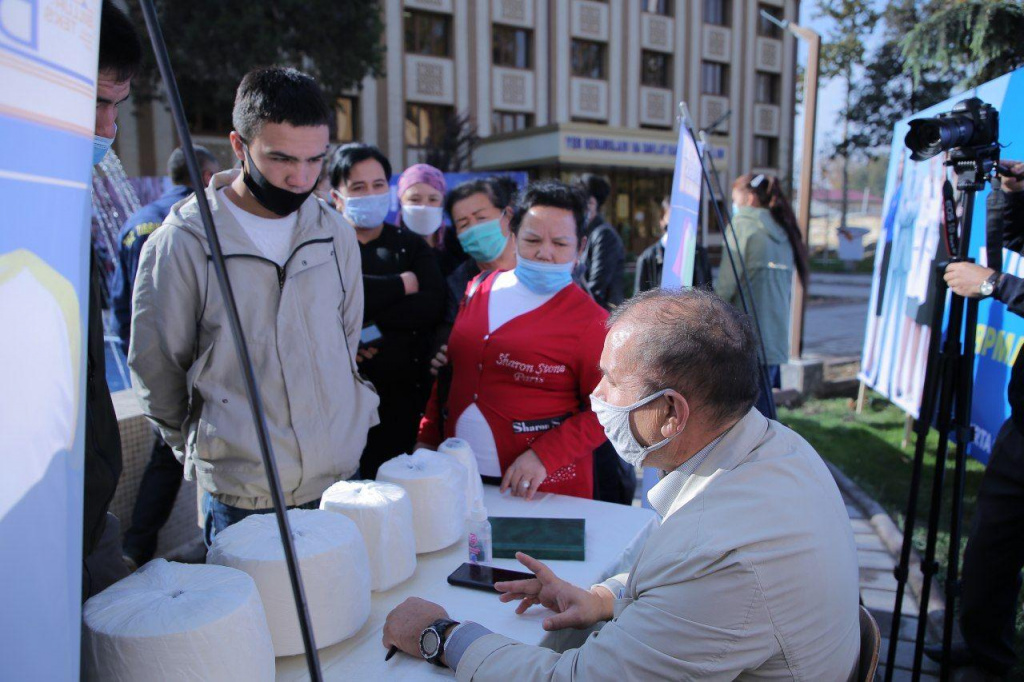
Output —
(295, 269)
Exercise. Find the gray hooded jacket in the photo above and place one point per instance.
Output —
(301, 322)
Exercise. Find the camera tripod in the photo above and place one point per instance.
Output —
(946, 404)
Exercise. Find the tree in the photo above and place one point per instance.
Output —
(213, 44)
(887, 91)
(452, 150)
(842, 52)
(979, 40)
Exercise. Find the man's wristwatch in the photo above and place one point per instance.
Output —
(989, 285)
(432, 640)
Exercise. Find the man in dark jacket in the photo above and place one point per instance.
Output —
(404, 297)
(604, 257)
(995, 548)
(162, 477)
(120, 55)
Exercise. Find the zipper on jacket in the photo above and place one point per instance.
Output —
(280, 277)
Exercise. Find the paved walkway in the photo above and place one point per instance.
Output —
(878, 592)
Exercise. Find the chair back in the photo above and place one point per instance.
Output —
(870, 642)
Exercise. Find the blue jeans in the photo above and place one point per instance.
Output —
(219, 515)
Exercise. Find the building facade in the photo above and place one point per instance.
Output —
(560, 87)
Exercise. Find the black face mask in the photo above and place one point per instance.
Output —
(271, 197)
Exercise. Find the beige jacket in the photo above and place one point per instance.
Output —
(752, 575)
(302, 325)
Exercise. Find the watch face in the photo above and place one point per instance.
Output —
(986, 288)
(429, 643)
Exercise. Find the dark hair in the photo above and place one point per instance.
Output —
(768, 191)
(596, 186)
(550, 193)
(120, 48)
(692, 341)
(278, 95)
(178, 170)
(349, 155)
(500, 190)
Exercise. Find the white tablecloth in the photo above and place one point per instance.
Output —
(614, 536)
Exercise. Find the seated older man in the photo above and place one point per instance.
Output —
(753, 571)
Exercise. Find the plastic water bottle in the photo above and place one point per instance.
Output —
(479, 535)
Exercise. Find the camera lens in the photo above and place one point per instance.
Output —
(929, 136)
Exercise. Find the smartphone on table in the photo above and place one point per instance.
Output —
(480, 577)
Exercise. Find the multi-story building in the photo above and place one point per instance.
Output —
(559, 87)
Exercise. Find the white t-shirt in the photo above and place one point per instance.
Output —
(508, 300)
(272, 236)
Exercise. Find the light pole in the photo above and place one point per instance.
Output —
(796, 325)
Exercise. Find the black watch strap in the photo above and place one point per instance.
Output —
(438, 626)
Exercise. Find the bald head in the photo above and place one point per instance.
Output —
(692, 341)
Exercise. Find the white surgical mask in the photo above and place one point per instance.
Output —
(615, 421)
(423, 220)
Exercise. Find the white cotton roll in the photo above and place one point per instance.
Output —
(461, 451)
(334, 566)
(383, 513)
(437, 489)
(171, 621)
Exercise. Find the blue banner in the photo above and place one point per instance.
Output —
(897, 335)
(48, 58)
(684, 217)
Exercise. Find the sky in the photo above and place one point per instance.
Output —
(831, 93)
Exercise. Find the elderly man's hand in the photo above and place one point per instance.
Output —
(576, 607)
(965, 278)
(406, 623)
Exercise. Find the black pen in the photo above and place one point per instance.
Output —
(391, 652)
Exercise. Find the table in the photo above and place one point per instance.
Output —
(614, 536)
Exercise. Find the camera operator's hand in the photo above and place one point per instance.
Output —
(965, 279)
(1011, 184)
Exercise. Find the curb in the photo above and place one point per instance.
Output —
(892, 538)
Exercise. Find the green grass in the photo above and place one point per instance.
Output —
(868, 449)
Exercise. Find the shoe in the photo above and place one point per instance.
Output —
(959, 655)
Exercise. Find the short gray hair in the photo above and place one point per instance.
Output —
(178, 169)
(692, 341)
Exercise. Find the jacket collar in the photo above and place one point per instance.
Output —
(682, 484)
(233, 238)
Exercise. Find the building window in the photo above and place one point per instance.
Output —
(658, 7)
(768, 88)
(766, 151)
(766, 28)
(657, 69)
(425, 124)
(714, 79)
(588, 59)
(428, 34)
(512, 47)
(507, 122)
(345, 112)
(718, 12)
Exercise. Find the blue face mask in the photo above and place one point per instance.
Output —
(484, 242)
(101, 145)
(368, 212)
(543, 278)
(735, 208)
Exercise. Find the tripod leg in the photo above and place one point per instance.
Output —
(964, 436)
(950, 368)
(924, 422)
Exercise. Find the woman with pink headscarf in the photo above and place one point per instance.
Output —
(421, 192)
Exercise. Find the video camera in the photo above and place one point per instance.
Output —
(970, 133)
